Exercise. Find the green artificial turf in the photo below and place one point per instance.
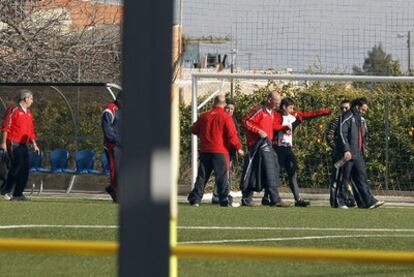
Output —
(95, 212)
(58, 212)
(320, 218)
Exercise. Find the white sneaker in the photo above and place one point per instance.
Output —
(7, 196)
(377, 204)
(235, 204)
(343, 207)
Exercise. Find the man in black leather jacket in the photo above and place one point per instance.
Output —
(351, 144)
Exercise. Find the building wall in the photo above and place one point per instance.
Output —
(84, 13)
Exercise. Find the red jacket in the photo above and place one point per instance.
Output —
(216, 131)
(19, 125)
(259, 118)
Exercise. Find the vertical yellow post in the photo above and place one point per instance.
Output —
(175, 149)
(175, 161)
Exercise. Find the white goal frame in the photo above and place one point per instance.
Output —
(282, 77)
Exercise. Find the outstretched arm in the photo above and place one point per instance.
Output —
(308, 115)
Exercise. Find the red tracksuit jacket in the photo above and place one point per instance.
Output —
(259, 118)
(19, 125)
(216, 131)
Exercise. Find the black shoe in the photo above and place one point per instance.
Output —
(20, 198)
(350, 203)
(231, 205)
(265, 201)
(280, 204)
(112, 193)
(248, 204)
(302, 203)
(215, 200)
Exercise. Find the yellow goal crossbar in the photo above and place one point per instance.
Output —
(68, 247)
(110, 248)
(293, 254)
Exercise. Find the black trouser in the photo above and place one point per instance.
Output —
(339, 193)
(19, 170)
(215, 198)
(208, 163)
(287, 160)
(355, 170)
(270, 171)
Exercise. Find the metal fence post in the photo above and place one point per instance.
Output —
(387, 140)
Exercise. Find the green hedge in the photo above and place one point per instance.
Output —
(311, 149)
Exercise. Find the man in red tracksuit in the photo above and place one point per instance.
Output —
(18, 131)
(111, 126)
(217, 133)
(259, 126)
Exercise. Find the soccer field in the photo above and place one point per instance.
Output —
(383, 229)
(21, 220)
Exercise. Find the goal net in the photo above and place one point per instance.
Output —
(328, 36)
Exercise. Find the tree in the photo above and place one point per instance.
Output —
(379, 63)
(58, 41)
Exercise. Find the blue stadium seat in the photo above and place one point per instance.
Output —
(36, 162)
(85, 160)
(36, 166)
(59, 159)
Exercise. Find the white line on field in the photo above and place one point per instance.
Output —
(293, 238)
(294, 228)
(58, 226)
(246, 228)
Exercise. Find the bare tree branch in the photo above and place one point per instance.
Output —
(37, 43)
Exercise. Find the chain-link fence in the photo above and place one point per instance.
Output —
(328, 36)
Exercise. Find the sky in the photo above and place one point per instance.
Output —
(328, 36)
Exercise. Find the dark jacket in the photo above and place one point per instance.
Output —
(351, 131)
(332, 132)
(111, 124)
(254, 176)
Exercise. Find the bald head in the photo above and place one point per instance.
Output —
(273, 100)
(220, 100)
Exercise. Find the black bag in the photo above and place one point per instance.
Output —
(4, 164)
